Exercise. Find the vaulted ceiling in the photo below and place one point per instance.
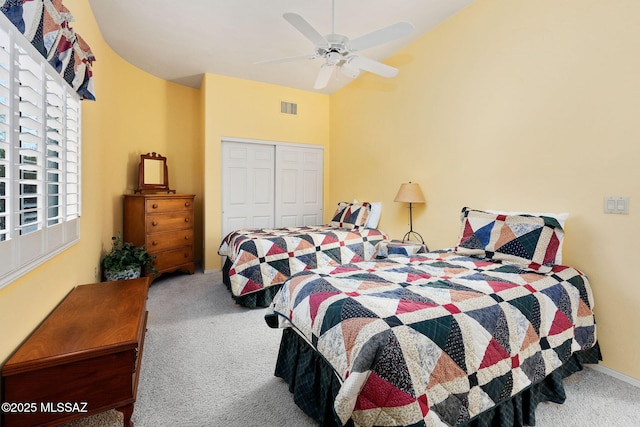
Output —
(179, 41)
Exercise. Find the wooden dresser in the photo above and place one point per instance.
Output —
(163, 223)
(83, 359)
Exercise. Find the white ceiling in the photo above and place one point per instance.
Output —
(180, 40)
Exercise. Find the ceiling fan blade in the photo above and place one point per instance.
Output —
(323, 76)
(372, 66)
(286, 59)
(383, 35)
(306, 29)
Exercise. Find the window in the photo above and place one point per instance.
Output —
(39, 158)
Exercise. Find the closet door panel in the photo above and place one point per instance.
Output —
(288, 186)
(312, 187)
(247, 186)
(298, 186)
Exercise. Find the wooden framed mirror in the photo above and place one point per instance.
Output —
(152, 174)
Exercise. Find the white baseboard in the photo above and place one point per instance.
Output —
(622, 377)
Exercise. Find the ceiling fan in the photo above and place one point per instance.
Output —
(341, 53)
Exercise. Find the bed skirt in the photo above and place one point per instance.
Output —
(260, 298)
(314, 385)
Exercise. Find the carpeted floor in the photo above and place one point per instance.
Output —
(209, 362)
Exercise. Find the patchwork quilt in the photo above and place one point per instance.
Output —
(47, 24)
(438, 338)
(263, 257)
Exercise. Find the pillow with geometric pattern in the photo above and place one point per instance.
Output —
(525, 240)
(560, 216)
(351, 215)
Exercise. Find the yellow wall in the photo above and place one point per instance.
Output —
(236, 108)
(514, 105)
(508, 105)
(134, 113)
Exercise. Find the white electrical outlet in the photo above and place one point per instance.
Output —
(616, 205)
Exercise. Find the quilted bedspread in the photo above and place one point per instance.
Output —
(268, 256)
(436, 339)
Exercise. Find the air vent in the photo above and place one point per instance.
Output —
(288, 108)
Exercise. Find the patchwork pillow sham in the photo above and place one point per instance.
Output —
(561, 217)
(525, 240)
(374, 214)
(351, 215)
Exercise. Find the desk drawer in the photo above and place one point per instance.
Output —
(169, 222)
(168, 205)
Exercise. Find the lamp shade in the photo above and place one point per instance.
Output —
(409, 193)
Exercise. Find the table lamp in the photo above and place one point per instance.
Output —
(410, 193)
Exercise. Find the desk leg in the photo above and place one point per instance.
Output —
(127, 412)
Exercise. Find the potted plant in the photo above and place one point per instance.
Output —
(126, 261)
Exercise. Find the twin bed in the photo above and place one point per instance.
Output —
(259, 260)
(475, 335)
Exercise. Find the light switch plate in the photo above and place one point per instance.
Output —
(616, 205)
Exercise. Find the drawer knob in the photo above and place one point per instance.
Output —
(186, 220)
(186, 237)
(186, 255)
(154, 223)
(154, 243)
(187, 204)
(154, 206)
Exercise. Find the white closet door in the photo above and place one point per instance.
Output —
(248, 172)
(298, 186)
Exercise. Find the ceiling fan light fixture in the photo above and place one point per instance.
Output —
(333, 58)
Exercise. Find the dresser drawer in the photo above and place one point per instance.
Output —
(168, 222)
(173, 258)
(168, 205)
(170, 239)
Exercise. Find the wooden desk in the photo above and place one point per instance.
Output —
(83, 359)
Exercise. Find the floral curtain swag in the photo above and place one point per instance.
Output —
(45, 23)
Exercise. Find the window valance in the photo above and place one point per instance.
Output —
(45, 23)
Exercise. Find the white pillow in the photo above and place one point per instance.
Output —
(560, 217)
(374, 215)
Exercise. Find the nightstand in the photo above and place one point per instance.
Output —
(398, 247)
